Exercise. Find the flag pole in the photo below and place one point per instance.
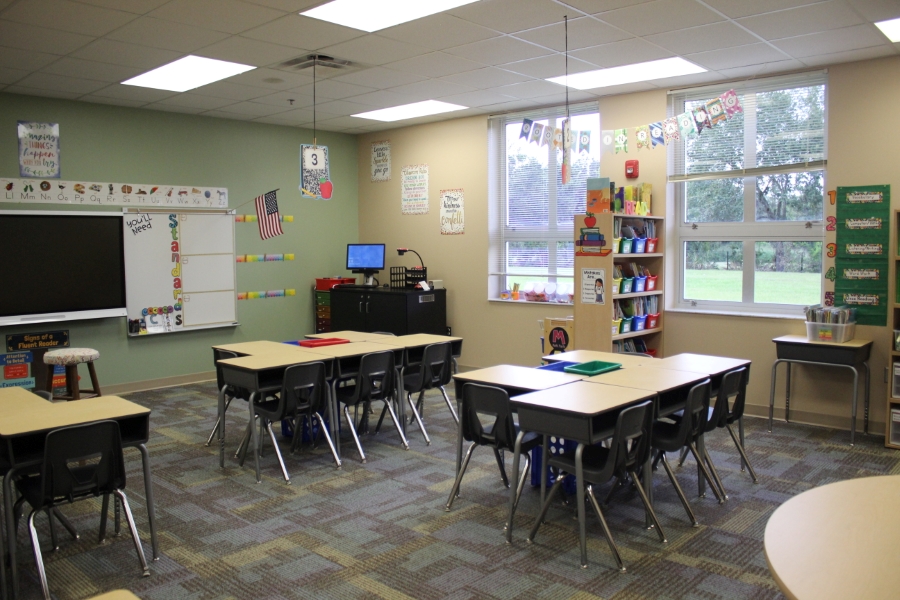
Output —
(249, 201)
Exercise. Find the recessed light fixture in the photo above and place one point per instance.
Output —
(369, 15)
(410, 111)
(188, 73)
(646, 71)
(890, 28)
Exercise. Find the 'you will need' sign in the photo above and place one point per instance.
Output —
(38, 149)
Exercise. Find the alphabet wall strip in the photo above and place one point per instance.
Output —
(100, 193)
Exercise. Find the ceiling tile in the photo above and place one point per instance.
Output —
(28, 37)
(799, 21)
(132, 92)
(339, 123)
(197, 101)
(221, 114)
(379, 78)
(248, 52)
(434, 64)
(583, 32)
(739, 56)
(499, 50)
(67, 16)
(267, 78)
(488, 77)
(438, 32)
(49, 81)
(129, 55)
(600, 6)
(549, 66)
(660, 16)
(25, 59)
(381, 99)
(138, 7)
(742, 8)
(286, 5)
(291, 117)
(372, 50)
(255, 109)
(338, 108)
(283, 100)
(230, 16)
(335, 90)
(830, 42)
(703, 38)
(175, 109)
(626, 52)
(877, 10)
(28, 91)
(782, 66)
(10, 75)
(477, 98)
(226, 89)
(168, 35)
(530, 89)
(302, 32)
(112, 101)
(851, 56)
(686, 80)
(430, 89)
(89, 69)
(509, 16)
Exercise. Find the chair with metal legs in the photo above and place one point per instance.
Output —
(735, 414)
(375, 381)
(231, 392)
(310, 392)
(491, 404)
(629, 448)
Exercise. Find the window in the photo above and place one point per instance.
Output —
(749, 199)
(532, 212)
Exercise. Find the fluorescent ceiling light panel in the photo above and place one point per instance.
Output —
(372, 15)
(188, 73)
(646, 71)
(410, 111)
(890, 28)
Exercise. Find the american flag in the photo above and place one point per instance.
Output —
(267, 215)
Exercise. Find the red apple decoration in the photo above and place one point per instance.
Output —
(326, 188)
(590, 220)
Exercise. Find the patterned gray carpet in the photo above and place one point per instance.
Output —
(379, 530)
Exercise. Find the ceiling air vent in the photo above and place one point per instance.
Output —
(319, 60)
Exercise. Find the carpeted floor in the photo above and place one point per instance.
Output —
(379, 530)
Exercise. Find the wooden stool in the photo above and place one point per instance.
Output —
(70, 358)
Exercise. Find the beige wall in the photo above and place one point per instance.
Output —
(861, 150)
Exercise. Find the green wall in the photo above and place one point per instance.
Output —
(100, 142)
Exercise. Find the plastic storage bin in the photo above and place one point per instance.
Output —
(556, 366)
(830, 332)
(638, 323)
(639, 246)
(651, 283)
(617, 246)
(895, 389)
(617, 285)
(626, 325)
(594, 367)
(653, 321)
(895, 426)
(616, 326)
(639, 284)
(651, 245)
(627, 285)
(626, 245)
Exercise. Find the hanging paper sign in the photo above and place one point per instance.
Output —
(621, 140)
(315, 176)
(701, 119)
(642, 135)
(526, 129)
(716, 111)
(537, 132)
(38, 150)
(656, 134)
(381, 161)
(670, 129)
(557, 138)
(584, 141)
(414, 190)
(547, 136)
(686, 124)
(453, 216)
(110, 194)
(566, 175)
(732, 103)
(567, 134)
(607, 139)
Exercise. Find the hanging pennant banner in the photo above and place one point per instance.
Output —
(584, 141)
(642, 135)
(716, 111)
(621, 140)
(670, 128)
(686, 124)
(607, 137)
(537, 132)
(656, 134)
(526, 129)
(701, 119)
(732, 103)
(557, 138)
(547, 137)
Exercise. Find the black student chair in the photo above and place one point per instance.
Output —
(375, 381)
(595, 465)
(491, 404)
(231, 392)
(80, 462)
(734, 415)
(308, 388)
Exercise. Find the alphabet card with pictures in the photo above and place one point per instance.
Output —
(315, 176)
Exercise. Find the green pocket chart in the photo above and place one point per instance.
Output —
(863, 241)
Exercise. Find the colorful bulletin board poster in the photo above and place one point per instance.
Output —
(414, 190)
(38, 149)
(381, 161)
(16, 372)
(593, 286)
(315, 175)
(104, 193)
(453, 216)
(861, 263)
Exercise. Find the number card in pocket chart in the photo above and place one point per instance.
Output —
(315, 176)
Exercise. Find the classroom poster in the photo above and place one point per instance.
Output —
(315, 175)
(453, 216)
(593, 286)
(104, 193)
(16, 370)
(414, 190)
(38, 149)
(862, 240)
(381, 161)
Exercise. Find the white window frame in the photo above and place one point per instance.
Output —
(499, 233)
(749, 231)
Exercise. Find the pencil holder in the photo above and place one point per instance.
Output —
(626, 245)
(626, 325)
(651, 283)
(651, 245)
(639, 245)
(653, 321)
(617, 285)
(626, 285)
(638, 323)
(639, 284)
(616, 325)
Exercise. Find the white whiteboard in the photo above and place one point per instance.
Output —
(171, 256)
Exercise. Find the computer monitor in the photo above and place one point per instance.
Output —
(367, 259)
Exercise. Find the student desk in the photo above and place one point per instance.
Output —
(415, 346)
(837, 541)
(257, 347)
(583, 356)
(671, 385)
(581, 411)
(28, 418)
(351, 336)
(798, 349)
(715, 366)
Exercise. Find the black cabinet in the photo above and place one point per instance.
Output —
(399, 311)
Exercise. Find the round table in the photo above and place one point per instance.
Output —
(841, 540)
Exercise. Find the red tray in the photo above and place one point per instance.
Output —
(323, 342)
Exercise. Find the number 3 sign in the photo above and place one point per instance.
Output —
(315, 177)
